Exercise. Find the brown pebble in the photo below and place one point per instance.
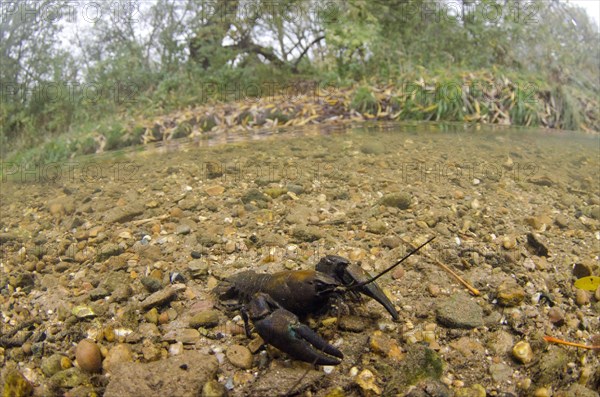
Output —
(597, 295)
(120, 353)
(163, 318)
(556, 316)
(176, 212)
(239, 356)
(582, 297)
(88, 356)
(398, 273)
(433, 289)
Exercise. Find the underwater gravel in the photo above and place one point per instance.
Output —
(126, 260)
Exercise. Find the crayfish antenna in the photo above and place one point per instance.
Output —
(389, 269)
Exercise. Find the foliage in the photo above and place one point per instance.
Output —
(173, 54)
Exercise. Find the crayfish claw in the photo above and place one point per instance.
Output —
(282, 329)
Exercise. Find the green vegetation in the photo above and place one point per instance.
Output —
(163, 70)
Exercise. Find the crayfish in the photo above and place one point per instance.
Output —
(273, 303)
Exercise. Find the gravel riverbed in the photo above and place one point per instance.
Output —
(108, 265)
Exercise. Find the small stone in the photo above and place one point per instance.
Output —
(206, 319)
(69, 378)
(151, 284)
(98, 293)
(433, 289)
(581, 297)
(459, 311)
(15, 384)
(163, 296)
(367, 382)
(386, 346)
(275, 192)
(561, 221)
(198, 268)
(255, 344)
(108, 250)
(352, 323)
(510, 294)
(509, 242)
(53, 364)
(582, 270)
(397, 200)
(88, 356)
(183, 229)
(398, 273)
(230, 247)
(597, 294)
(187, 336)
(538, 244)
(254, 195)
(542, 392)
(500, 372)
(239, 356)
(120, 353)
(216, 190)
(556, 316)
(213, 388)
(377, 227)
(391, 242)
(307, 234)
(152, 316)
(83, 312)
(522, 352)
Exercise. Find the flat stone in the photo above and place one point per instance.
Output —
(163, 296)
(183, 375)
(239, 356)
(123, 214)
(207, 319)
(459, 311)
(353, 323)
(510, 294)
(500, 372)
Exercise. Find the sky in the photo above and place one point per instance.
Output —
(591, 6)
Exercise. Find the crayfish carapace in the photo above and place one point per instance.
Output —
(273, 303)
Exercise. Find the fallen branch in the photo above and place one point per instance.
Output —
(468, 286)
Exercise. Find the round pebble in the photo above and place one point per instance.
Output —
(582, 297)
(522, 352)
(239, 356)
(118, 354)
(88, 356)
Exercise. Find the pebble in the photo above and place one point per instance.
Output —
(597, 294)
(509, 242)
(198, 268)
(215, 190)
(582, 270)
(367, 382)
(556, 316)
(581, 297)
(183, 229)
(206, 319)
(522, 352)
(88, 356)
(15, 384)
(384, 345)
(398, 200)
(121, 353)
(53, 364)
(213, 388)
(459, 311)
(161, 297)
(510, 294)
(239, 356)
(352, 323)
(391, 242)
(500, 372)
(83, 312)
(538, 244)
(151, 284)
